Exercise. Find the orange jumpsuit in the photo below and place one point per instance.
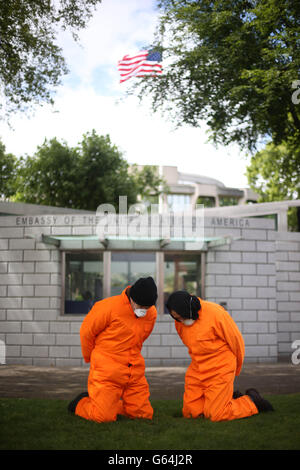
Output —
(217, 350)
(111, 340)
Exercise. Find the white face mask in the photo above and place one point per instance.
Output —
(188, 321)
(140, 312)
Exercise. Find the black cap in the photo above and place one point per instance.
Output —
(144, 292)
(185, 304)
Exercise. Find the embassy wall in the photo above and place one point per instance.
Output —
(241, 276)
(255, 276)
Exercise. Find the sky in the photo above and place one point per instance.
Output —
(92, 97)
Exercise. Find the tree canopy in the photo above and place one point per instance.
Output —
(8, 172)
(230, 63)
(275, 181)
(31, 63)
(82, 177)
(274, 173)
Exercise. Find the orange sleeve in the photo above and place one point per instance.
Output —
(150, 324)
(178, 326)
(229, 332)
(95, 321)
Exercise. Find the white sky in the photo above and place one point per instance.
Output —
(91, 97)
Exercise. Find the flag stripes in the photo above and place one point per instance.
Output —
(139, 65)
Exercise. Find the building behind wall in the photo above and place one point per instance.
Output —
(184, 189)
(54, 266)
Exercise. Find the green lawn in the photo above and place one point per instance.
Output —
(46, 425)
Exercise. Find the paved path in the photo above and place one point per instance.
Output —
(21, 381)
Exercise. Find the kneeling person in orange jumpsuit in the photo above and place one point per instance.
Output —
(112, 335)
(217, 350)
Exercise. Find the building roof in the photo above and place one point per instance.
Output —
(200, 179)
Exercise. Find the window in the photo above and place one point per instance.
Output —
(251, 201)
(127, 267)
(228, 201)
(207, 201)
(151, 200)
(178, 202)
(182, 272)
(91, 276)
(83, 281)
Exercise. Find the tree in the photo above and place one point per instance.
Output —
(149, 184)
(102, 174)
(49, 176)
(274, 173)
(231, 63)
(31, 63)
(92, 173)
(8, 173)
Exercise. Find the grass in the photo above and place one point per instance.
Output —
(46, 425)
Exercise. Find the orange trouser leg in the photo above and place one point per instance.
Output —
(116, 392)
(214, 401)
(103, 402)
(102, 406)
(220, 406)
(135, 397)
(193, 397)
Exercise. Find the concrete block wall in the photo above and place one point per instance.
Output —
(164, 347)
(288, 291)
(31, 324)
(256, 275)
(242, 276)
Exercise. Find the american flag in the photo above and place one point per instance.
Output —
(141, 64)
